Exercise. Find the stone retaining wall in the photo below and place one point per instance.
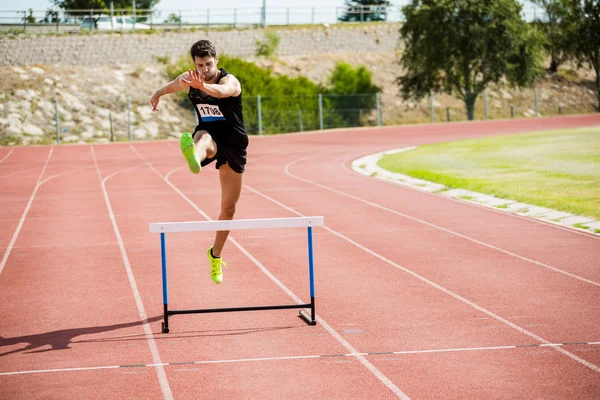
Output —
(132, 48)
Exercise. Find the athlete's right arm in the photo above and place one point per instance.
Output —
(174, 86)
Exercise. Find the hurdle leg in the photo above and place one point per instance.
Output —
(163, 252)
(312, 319)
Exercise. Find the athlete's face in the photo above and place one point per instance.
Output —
(207, 67)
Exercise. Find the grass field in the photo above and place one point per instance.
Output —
(555, 169)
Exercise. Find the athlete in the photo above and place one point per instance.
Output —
(220, 135)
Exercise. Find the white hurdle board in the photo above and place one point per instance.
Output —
(236, 224)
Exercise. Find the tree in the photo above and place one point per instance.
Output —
(103, 4)
(30, 19)
(461, 46)
(51, 17)
(585, 35)
(365, 10)
(352, 92)
(555, 28)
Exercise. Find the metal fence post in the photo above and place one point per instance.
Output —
(112, 133)
(448, 113)
(129, 117)
(57, 125)
(535, 95)
(259, 115)
(320, 111)
(300, 120)
(485, 104)
(431, 105)
(512, 111)
(377, 100)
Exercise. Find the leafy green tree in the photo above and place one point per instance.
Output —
(365, 10)
(30, 19)
(51, 17)
(555, 28)
(585, 35)
(103, 4)
(352, 92)
(173, 19)
(461, 46)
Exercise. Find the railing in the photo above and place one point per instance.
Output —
(71, 20)
(124, 120)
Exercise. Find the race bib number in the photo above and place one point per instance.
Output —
(210, 113)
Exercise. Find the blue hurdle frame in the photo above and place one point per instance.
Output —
(310, 320)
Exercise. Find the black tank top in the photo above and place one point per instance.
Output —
(218, 116)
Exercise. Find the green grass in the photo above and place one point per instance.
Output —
(555, 169)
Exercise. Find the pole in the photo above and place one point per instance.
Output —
(300, 120)
(112, 134)
(129, 117)
(112, 15)
(535, 95)
(485, 104)
(264, 14)
(163, 253)
(133, 7)
(259, 116)
(377, 100)
(448, 113)
(431, 106)
(57, 125)
(320, 111)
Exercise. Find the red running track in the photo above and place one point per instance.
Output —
(418, 296)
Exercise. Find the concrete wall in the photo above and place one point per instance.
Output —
(132, 48)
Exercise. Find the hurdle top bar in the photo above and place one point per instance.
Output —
(236, 224)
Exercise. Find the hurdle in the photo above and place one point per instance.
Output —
(229, 225)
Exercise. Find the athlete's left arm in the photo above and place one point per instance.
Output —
(228, 86)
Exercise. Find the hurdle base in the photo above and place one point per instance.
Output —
(302, 314)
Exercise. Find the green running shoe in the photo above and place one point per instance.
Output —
(189, 152)
(216, 273)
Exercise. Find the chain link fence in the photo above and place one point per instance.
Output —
(38, 121)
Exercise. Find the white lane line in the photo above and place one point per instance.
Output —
(439, 287)
(22, 220)
(436, 226)
(385, 380)
(470, 203)
(6, 156)
(304, 357)
(160, 371)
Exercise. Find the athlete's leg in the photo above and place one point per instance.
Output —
(231, 188)
(205, 145)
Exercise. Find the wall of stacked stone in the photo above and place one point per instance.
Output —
(132, 48)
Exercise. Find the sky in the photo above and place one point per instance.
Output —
(186, 4)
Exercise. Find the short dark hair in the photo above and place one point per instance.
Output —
(203, 48)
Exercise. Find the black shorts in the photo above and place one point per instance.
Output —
(230, 150)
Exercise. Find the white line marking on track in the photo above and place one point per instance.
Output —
(160, 371)
(22, 220)
(436, 226)
(385, 380)
(304, 357)
(422, 278)
(6, 156)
